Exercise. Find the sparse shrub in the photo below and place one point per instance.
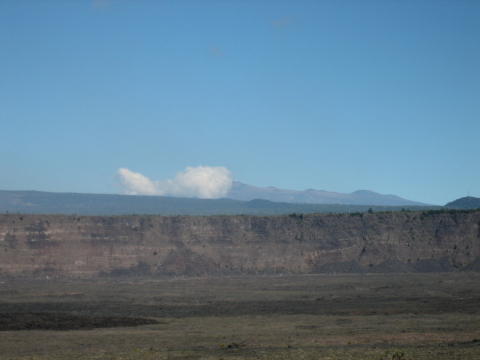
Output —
(397, 355)
(236, 345)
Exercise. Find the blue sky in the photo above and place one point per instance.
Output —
(330, 95)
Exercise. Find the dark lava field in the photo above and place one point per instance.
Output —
(317, 316)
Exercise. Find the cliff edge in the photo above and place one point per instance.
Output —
(92, 246)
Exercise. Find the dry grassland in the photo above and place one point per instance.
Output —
(378, 317)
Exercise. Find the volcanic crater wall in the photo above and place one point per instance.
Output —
(92, 246)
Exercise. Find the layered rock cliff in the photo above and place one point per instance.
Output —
(91, 246)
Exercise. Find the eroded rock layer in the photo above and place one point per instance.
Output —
(92, 246)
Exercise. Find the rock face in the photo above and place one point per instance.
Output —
(92, 246)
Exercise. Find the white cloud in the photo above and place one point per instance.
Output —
(133, 183)
(203, 182)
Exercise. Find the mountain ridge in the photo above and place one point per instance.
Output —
(245, 192)
(38, 202)
(468, 202)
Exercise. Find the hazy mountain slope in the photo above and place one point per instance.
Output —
(246, 192)
(37, 202)
(468, 202)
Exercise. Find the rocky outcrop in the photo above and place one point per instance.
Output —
(91, 246)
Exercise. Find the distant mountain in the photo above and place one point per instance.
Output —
(468, 202)
(246, 192)
(38, 202)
